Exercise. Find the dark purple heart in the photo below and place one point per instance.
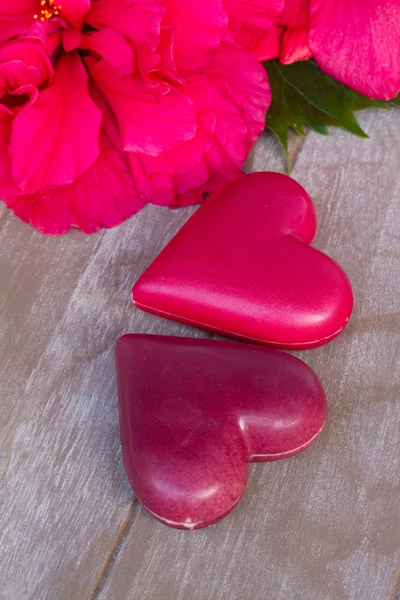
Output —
(195, 412)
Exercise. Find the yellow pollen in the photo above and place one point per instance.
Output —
(49, 9)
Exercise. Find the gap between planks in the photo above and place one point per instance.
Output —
(116, 547)
(394, 592)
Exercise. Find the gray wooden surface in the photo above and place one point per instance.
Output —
(321, 526)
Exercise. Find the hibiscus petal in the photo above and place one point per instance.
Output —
(358, 42)
(252, 25)
(113, 47)
(104, 196)
(71, 39)
(16, 17)
(296, 14)
(53, 42)
(294, 46)
(24, 68)
(149, 123)
(243, 81)
(7, 184)
(56, 139)
(295, 19)
(264, 45)
(256, 13)
(22, 96)
(32, 55)
(138, 20)
(46, 210)
(15, 74)
(19, 206)
(197, 29)
(74, 11)
(230, 101)
(267, 46)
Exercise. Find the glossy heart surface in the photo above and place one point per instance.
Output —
(242, 266)
(195, 412)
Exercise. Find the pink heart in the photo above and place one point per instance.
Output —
(242, 266)
(195, 412)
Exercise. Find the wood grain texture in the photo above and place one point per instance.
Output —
(63, 303)
(321, 526)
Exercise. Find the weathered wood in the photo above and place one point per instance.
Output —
(323, 525)
(64, 301)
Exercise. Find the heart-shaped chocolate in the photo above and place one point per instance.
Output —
(242, 266)
(195, 412)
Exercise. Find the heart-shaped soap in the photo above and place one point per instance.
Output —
(195, 412)
(242, 266)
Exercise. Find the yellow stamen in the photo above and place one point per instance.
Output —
(49, 10)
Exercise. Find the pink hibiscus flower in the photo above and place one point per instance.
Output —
(355, 41)
(106, 105)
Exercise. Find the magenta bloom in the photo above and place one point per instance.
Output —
(355, 41)
(106, 105)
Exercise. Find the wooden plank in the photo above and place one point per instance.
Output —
(66, 505)
(325, 524)
(63, 303)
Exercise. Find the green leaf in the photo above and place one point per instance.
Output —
(395, 101)
(304, 96)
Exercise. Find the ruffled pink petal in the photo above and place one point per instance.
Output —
(243, 81)
(264, 45)
(252, 25)
(160, 178)
(49, 34)
(16, 17)
(262, 14)
(19, 206)
(196, 29)
(15, 74)
(138, 20)
(294, 46)
(52, 37)
(358, 42)
(48, 211)
(228, 172)
(151, 121)
(32, 55)
(71, 39)
(20, 97)
(24, 68)
(7, 184)
(225, 132)
(38, 31)
(295, 20)
(53, 42)
(23, 64)
(104, 196)
(56, 139)
(267, 45)
(74, 11)
(113, 47)
(296, 14)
